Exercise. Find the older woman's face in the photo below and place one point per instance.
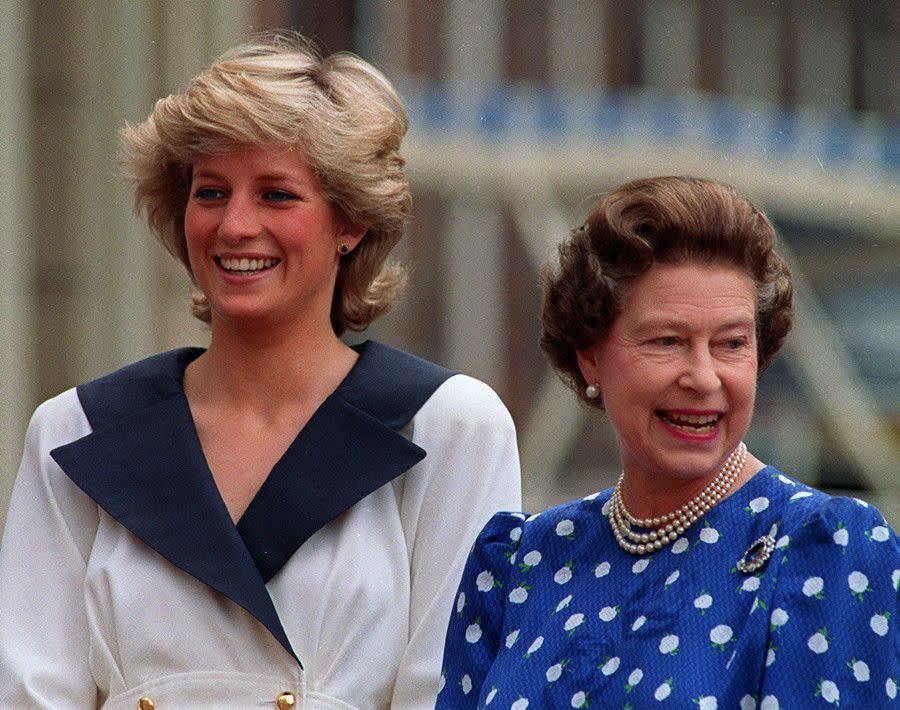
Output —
(677, 371)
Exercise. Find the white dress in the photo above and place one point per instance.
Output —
(124, 583)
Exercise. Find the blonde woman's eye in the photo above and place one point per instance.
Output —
(208, 193)
(279, 196)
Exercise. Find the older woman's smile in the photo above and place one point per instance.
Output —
(693, 423)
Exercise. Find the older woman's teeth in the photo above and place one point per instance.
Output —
(694, 423)
(245, 265)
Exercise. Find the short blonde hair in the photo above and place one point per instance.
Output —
(339, 111)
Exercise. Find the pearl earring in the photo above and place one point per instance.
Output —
(592, 391)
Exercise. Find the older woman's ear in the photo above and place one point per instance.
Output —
(589, 363)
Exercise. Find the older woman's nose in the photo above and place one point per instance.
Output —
(700, 373)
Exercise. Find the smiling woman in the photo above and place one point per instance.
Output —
(704, 577)
(279, 520)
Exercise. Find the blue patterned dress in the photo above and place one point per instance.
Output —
(551, 613)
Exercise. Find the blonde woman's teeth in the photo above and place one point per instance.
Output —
(244, 264)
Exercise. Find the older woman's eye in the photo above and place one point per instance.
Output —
(735, 343)
(208, 193)
(666, 341)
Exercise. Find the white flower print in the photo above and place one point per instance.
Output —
(640, 565)
(895, 579)
(750, 584)
(841, 536)
(813, 587)
(639, 622)
(611, 666)
(563, 603)
(442, 682)
(515, 534)
(758, 505)
(591, 497)
(554, 672)
(721, 635)
(770, 656)
(512, 558)
(530, 561)
(879, 534)
(608, 613)
(890, 687)
(520, 704)
(860, 670)
(634, 678)
(565, 528)
(466, 684)
(703, 602)
(829, 692)
(748, 702)
(818, 642)
(473, 632)
(511, 638)
(879, 623)
(709, 535)
(859, 584)
(604, 510)
(680, 545)
(708, 702)
(789, 482)
(669, 644)
(782, 542)
(579, 700)
(531, 517)
(801, 494)
(490, 696)
(602, 570)
(672, 578)
(563, 574)
(484, 581)
(573, 622)
(663, 691)
(770, 702)
(460, 602)
(779, 617)
(519, 594)
(535, 645)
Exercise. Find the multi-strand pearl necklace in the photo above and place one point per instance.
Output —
(666, 528)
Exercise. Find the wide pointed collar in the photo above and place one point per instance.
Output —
(143, 464)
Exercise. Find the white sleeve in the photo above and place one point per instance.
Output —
(49, 529)
(471, 471)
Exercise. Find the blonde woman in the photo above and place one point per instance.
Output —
(279, 520)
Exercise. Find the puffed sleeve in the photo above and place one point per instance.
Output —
(471, 470)
(43, 625)
(833, 631)
(476, 621)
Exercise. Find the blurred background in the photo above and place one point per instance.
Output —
(521, 111)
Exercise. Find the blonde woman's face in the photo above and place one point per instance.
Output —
(262, 238)
(677, 371)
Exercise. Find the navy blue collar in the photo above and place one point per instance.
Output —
(143, 464)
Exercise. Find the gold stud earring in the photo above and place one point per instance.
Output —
(344, 249)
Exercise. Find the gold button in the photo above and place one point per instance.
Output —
(285, 701)
(145, 704)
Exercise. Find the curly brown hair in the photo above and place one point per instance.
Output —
(342, 114)
(666, 220)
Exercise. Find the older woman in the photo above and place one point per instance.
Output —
(278, 520)
(704, 577)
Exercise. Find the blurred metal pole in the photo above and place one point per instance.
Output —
(16, 238)
(474, 258)
(821, 362)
